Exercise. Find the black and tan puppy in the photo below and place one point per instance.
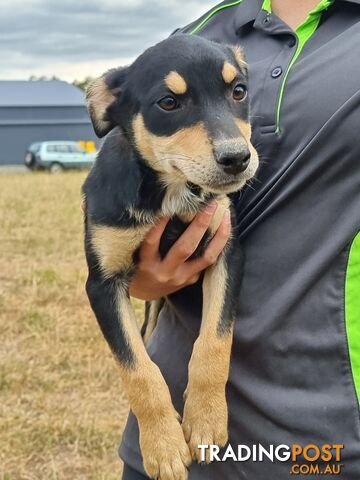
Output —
(180, 138)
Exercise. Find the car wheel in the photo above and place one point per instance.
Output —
(56, 168)
(30, 160)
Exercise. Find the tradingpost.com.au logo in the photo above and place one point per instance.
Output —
(303, 460)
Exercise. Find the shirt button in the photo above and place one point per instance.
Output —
(292, 42)
(276, 72)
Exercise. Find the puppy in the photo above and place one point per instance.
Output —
(180, 139)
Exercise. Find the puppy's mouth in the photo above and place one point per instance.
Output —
(223, 183)
(225, 187)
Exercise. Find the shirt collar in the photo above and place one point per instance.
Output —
(248, 10)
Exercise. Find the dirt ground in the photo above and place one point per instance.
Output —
(62, 409)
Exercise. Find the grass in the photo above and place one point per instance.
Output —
(62, 409)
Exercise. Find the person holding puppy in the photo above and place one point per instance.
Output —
(295, 371)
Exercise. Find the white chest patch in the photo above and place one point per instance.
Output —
(179, 199)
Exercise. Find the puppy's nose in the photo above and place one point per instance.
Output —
(234, 163)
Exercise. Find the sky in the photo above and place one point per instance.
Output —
(73, 39)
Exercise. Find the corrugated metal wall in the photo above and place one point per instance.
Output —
(21, 126)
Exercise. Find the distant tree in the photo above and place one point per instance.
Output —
(83, 83)
(34, 78)
(78, 83)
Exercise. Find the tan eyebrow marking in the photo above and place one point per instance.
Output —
(228, 72)
(175, 82)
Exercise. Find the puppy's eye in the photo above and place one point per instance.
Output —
(239, 92)
(168, 103)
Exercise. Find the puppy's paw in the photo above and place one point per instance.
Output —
(205, 420)
(165, 452)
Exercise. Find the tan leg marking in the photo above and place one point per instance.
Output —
(223, 203)
(205, 415)
(176, 83)
(163, 447)
(114, 246)
(229, 72)
(161, 438)
(153, 316)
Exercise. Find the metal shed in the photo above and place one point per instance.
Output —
(35, 111)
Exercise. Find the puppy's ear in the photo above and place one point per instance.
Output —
(239, 55)
(100, 95)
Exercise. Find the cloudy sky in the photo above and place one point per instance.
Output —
(76, 38)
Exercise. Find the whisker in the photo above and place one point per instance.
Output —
(175, 155)
(255, 179)
(248, 185)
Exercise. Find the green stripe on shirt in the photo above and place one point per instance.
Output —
(303, 32)
(352, 310)
(213, 12)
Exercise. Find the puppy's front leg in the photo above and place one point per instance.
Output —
(205, 415)
(165, 452)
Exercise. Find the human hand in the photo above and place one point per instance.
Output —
(156, 277)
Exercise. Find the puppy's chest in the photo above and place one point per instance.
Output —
(174, 229)
(117, 248)
(180, 222)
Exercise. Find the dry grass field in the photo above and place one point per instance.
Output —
(62, 409)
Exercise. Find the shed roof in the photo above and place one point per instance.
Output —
(40, 93)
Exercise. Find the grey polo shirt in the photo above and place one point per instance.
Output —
(295, 370)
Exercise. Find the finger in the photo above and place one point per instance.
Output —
(194, 279)
(186, 245)
(214, 249)
(150, 245)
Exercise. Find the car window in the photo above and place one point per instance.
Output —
(58, 148)
(63, 148)
(35, 147)
(75, 148)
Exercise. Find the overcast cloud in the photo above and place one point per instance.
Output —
(76, 38)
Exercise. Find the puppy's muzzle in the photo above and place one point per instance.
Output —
(233, 163)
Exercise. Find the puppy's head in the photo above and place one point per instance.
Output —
(184, 105)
